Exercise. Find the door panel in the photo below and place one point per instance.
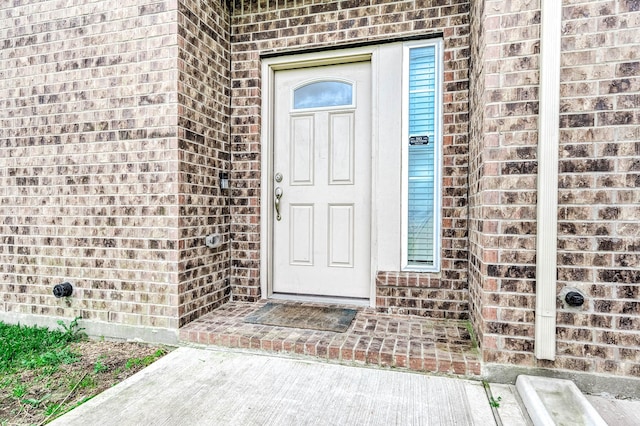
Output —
(322, 151)
(301, 235)
(341, 149)
(302, 152)
(340, 235)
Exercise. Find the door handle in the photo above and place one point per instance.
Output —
(278, 196)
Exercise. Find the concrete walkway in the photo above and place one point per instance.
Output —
(193, 386)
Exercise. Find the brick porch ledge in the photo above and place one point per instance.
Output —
(399, 341)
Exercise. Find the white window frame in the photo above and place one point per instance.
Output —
(437, 214)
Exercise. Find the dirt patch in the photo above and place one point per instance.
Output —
(40, 395)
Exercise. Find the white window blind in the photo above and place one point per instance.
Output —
(421, 169)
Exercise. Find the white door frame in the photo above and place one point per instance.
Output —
(269, 68)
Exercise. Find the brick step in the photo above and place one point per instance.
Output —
(390, 341)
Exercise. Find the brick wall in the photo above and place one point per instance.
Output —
(114, 126)
(88, 149)
(203, 138)
(269, 27)
(503, 178)
(477, 101)
(598, 197)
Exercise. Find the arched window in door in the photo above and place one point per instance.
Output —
(322, 94)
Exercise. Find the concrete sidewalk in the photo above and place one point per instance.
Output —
(193, 386)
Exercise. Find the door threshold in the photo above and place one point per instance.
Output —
(320, 299)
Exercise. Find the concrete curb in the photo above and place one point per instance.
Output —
(556, 401)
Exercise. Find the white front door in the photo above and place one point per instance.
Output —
(322, 181)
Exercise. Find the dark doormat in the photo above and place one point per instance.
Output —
(301, 316)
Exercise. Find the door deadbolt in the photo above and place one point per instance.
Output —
(278, 177)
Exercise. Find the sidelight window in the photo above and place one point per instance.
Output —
(421, 156)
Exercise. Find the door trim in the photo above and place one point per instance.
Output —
(269, 68)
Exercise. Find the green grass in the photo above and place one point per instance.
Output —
(36, 347)
(43, 374)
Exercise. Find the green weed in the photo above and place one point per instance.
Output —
(146, 361)
(35, 402)
(472, 335)
(495, 402)
(51, 409)
(88, 382)
(49, 370)
(7, 382)
(19, 391)
(73, 332)
(99, 366)
(50, 359)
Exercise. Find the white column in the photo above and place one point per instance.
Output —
(548, 146)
